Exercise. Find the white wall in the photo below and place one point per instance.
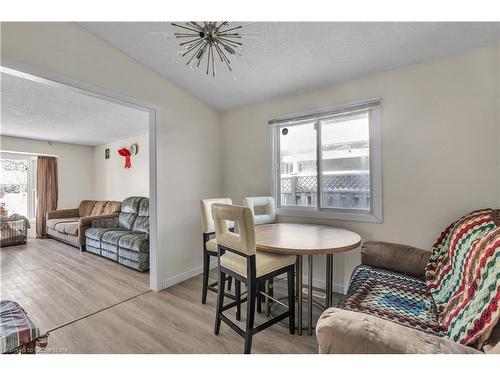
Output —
(440, 146)
(114, 182)
(75, 166)
(188, 135)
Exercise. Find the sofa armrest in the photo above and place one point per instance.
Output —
(101, 221)
(61, 214)
(350, 332)
(394, 257)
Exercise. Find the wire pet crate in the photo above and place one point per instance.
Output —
(13, 230)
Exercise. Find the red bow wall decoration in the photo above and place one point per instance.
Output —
(126, 153)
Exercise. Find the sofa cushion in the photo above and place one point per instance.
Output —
(136, 241)
(98, 208)
(68, 227)
(86, 207)
(112, 207)
(129, 212)
(131, 205)
(141, 223)
(126, 220)
(392, 296)
(96, 233)
(105, 208)
(463, 275)
(351, 332)
(51, 223)
(113, 236)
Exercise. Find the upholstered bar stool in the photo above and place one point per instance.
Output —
(238, 258)
(266, 215)
(210, 245)
(266, 204)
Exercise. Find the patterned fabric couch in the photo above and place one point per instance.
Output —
(69, 225)
(406, 300)
(125, 238)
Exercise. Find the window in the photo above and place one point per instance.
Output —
(328, 164)
(17, 191)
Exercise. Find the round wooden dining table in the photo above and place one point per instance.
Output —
(310, 240)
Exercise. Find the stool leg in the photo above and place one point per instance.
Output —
(291, 300)
(299, 286)
(259, 298)
(237, 291)
(206, 270)
(252, 289)
(229, 282)
(268, 300)
(220, 301)
(270, 293)
(309, 294)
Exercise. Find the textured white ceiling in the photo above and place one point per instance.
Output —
(292, 57)
(39, 111)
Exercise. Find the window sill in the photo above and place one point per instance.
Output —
(369, 217)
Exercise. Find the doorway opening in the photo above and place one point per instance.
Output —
(18, 192)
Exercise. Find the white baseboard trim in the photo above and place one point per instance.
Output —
(321, 284)
(167, 283)
(171, 281)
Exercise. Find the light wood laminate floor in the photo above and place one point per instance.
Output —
(103, 307)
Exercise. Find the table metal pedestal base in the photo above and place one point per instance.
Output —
(317, 310)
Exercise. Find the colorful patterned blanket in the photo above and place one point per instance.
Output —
(463, 276)
(392, 296)
(16, 329)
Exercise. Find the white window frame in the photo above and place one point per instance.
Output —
(375, 213)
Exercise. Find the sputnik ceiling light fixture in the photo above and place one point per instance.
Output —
(209, 41)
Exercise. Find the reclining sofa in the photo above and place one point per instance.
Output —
(69, 225)
(406, 300)
(125, 238)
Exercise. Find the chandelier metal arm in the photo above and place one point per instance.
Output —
(192, 48)
(226, 60)
(200, 54)
(221, 25)
(190, 41)
(195, 54)
(197, 25)
(184, 27)
(234, 28)
(232, 42)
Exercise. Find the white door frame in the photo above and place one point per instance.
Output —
(39, 75)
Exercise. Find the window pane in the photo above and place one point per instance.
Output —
(298, 175)
(346, 162)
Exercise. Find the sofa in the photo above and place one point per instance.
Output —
(69, 225)
(403, 299)
(125, 238)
